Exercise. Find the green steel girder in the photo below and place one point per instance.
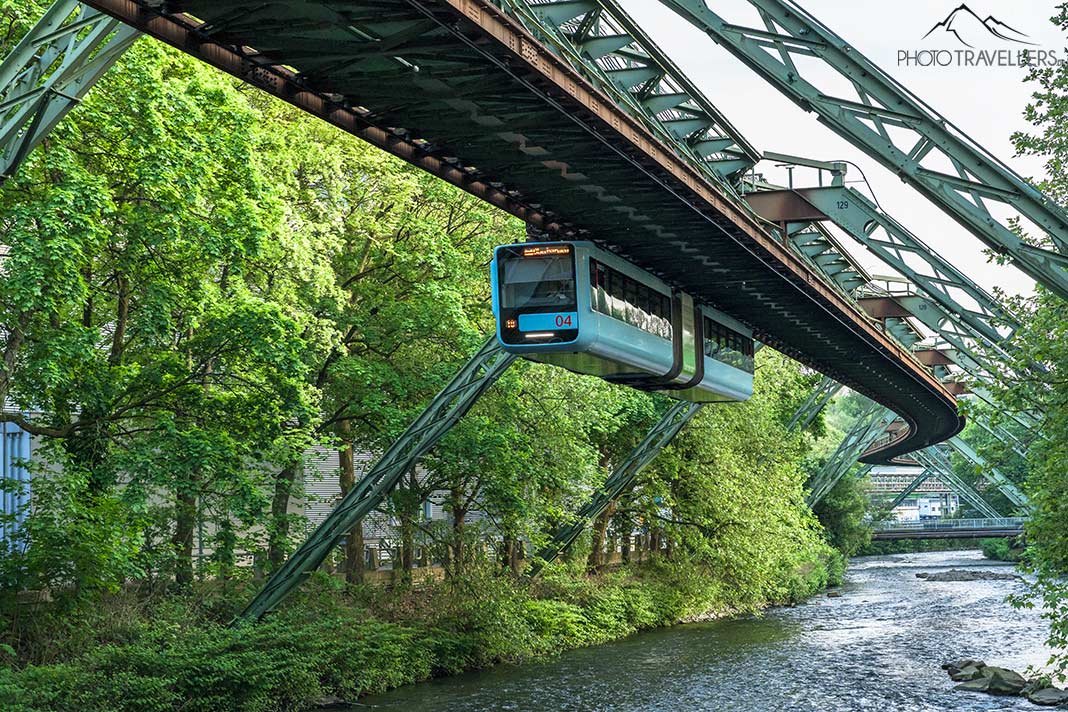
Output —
(951, 480)
(894, 245)
(940, 466)
(447, 407)
(966, 493)
(50, 70)
(894, 127)
(602, 41)
(870, 425)
(991, 473)
(672, 422)
(823, 252)
(913, 486)
(816, 401)
(659, 437)
(1002, 435)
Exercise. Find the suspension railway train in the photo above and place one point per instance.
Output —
(574, 305)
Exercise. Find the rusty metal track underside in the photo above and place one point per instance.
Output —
(458, 88)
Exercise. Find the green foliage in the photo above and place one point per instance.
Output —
(843, 512)
(178, 655)
(1034, 380)
(1002, 549)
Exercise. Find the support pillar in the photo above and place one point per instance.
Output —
(474, 379)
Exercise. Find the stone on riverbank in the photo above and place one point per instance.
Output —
(964, 575)
(1003, 681)
(969, 672)
(975, 676)
(954, 666)
(1048, 696)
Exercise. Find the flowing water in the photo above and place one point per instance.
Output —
(878, 647)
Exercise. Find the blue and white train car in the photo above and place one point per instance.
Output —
(575, 305)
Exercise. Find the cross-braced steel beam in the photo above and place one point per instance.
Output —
(939, 465)
(912, 487)
(614, 52)
(991, 473)
(817, 400)
(893, 126)
(869, 426)
(50, 70)
(474, 379)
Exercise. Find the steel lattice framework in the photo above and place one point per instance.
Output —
(896, 128)
(49, 72)
(474, 379)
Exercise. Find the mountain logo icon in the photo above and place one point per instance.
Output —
(964, 24)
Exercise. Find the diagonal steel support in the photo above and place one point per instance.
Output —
(897, 247)
(940, 467)
(913, 486)
(896, 128)
(869, 426)
(991, 473)
(673, 421)
(602, 41)
(474, 379)
(50, 70)
(817, 400)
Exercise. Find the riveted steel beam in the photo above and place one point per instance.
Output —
(912, 487)
(603, 42)
(869, 427)
(991, 473)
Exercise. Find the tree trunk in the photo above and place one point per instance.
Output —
(278, 535)
(185, 518)
(511, 550)
(457, 551)
(600, 526)
(353, 566)
(225, 543)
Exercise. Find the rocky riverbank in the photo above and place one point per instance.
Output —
(966, 575)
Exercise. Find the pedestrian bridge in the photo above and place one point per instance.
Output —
(949, 529)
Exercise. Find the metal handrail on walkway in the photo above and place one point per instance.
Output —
(951, 524)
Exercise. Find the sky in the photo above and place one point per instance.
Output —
(986, 103)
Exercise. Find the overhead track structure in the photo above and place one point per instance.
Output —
(896, 128)
(483, 95)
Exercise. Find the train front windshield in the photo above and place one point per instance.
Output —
(538, 300)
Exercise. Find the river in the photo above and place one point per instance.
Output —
(878, 647)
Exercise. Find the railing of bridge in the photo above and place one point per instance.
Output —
(951, 524)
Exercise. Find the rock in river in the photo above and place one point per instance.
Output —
(1048, 696)
(964, 575)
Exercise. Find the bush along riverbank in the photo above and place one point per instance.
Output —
(338, 641)
(1002, 550)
